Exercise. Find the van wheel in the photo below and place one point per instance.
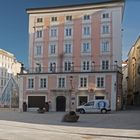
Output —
(82, 111)
(103, 111)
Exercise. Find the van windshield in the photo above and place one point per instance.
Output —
(89, 104)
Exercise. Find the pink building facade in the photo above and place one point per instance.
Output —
(75, 55)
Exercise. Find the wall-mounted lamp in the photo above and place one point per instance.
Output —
(72, 66)
(39, 67)
(92, 65)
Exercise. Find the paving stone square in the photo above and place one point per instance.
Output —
(121, 125)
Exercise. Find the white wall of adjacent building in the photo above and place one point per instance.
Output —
(9, 66)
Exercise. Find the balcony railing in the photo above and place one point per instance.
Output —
(75, 69)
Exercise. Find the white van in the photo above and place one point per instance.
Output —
(102, 106)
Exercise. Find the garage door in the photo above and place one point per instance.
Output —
(36, 101)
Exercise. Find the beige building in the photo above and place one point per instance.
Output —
(125, 81)
(9, 67)
(134, 74)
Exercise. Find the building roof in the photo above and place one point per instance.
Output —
(133, 46)
(94, 2)
(6, 53)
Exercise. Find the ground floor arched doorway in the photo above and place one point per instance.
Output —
(60, 103)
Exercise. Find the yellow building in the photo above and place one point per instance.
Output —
(134, 74)
(125, 81)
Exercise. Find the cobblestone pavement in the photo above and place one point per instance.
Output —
(122, 125)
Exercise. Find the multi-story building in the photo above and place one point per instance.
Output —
(134, 74)
(75, 53)
(125, 82)
(9, 67)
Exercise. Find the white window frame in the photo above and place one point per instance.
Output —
(51, 62)
(53, 32)
(100, 87)
(39, 19)
(69, 45)
(87, 17)
(105, 28)
(53, 49)
(27, 85)
(50, 49)
(68, 32)
(83, 87)
(105, 15)
(68, 63)
(60, 87)
(69, 18)
(54, 19)
(86, 30)
(39, 33)
(105, 61)
(37, 47)
(86, 64)
(43, 77)
(105, 46)
(84, 44)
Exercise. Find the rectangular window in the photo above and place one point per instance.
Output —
(68, 48)
(100, 82)
(105, 29)
(39, 20)
(54, 19)
(67, 66)
(68, 18)
(68, 32)
(85, 65)
(105, 65)
(38, 50)
(52, 67)
(39, 34)
(83, 82)
(61, 82)
(86, 47)
(38, 68)
(53, 32)
(52, 49)
(86, 30)
(86, 17)
(105, 46)
(105, 15)
(30, 83)
(43, 83)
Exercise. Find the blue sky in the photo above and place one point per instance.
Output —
(14, 24)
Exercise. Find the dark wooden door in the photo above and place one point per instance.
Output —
(60, 103)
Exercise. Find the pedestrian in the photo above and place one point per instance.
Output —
(47, 107)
